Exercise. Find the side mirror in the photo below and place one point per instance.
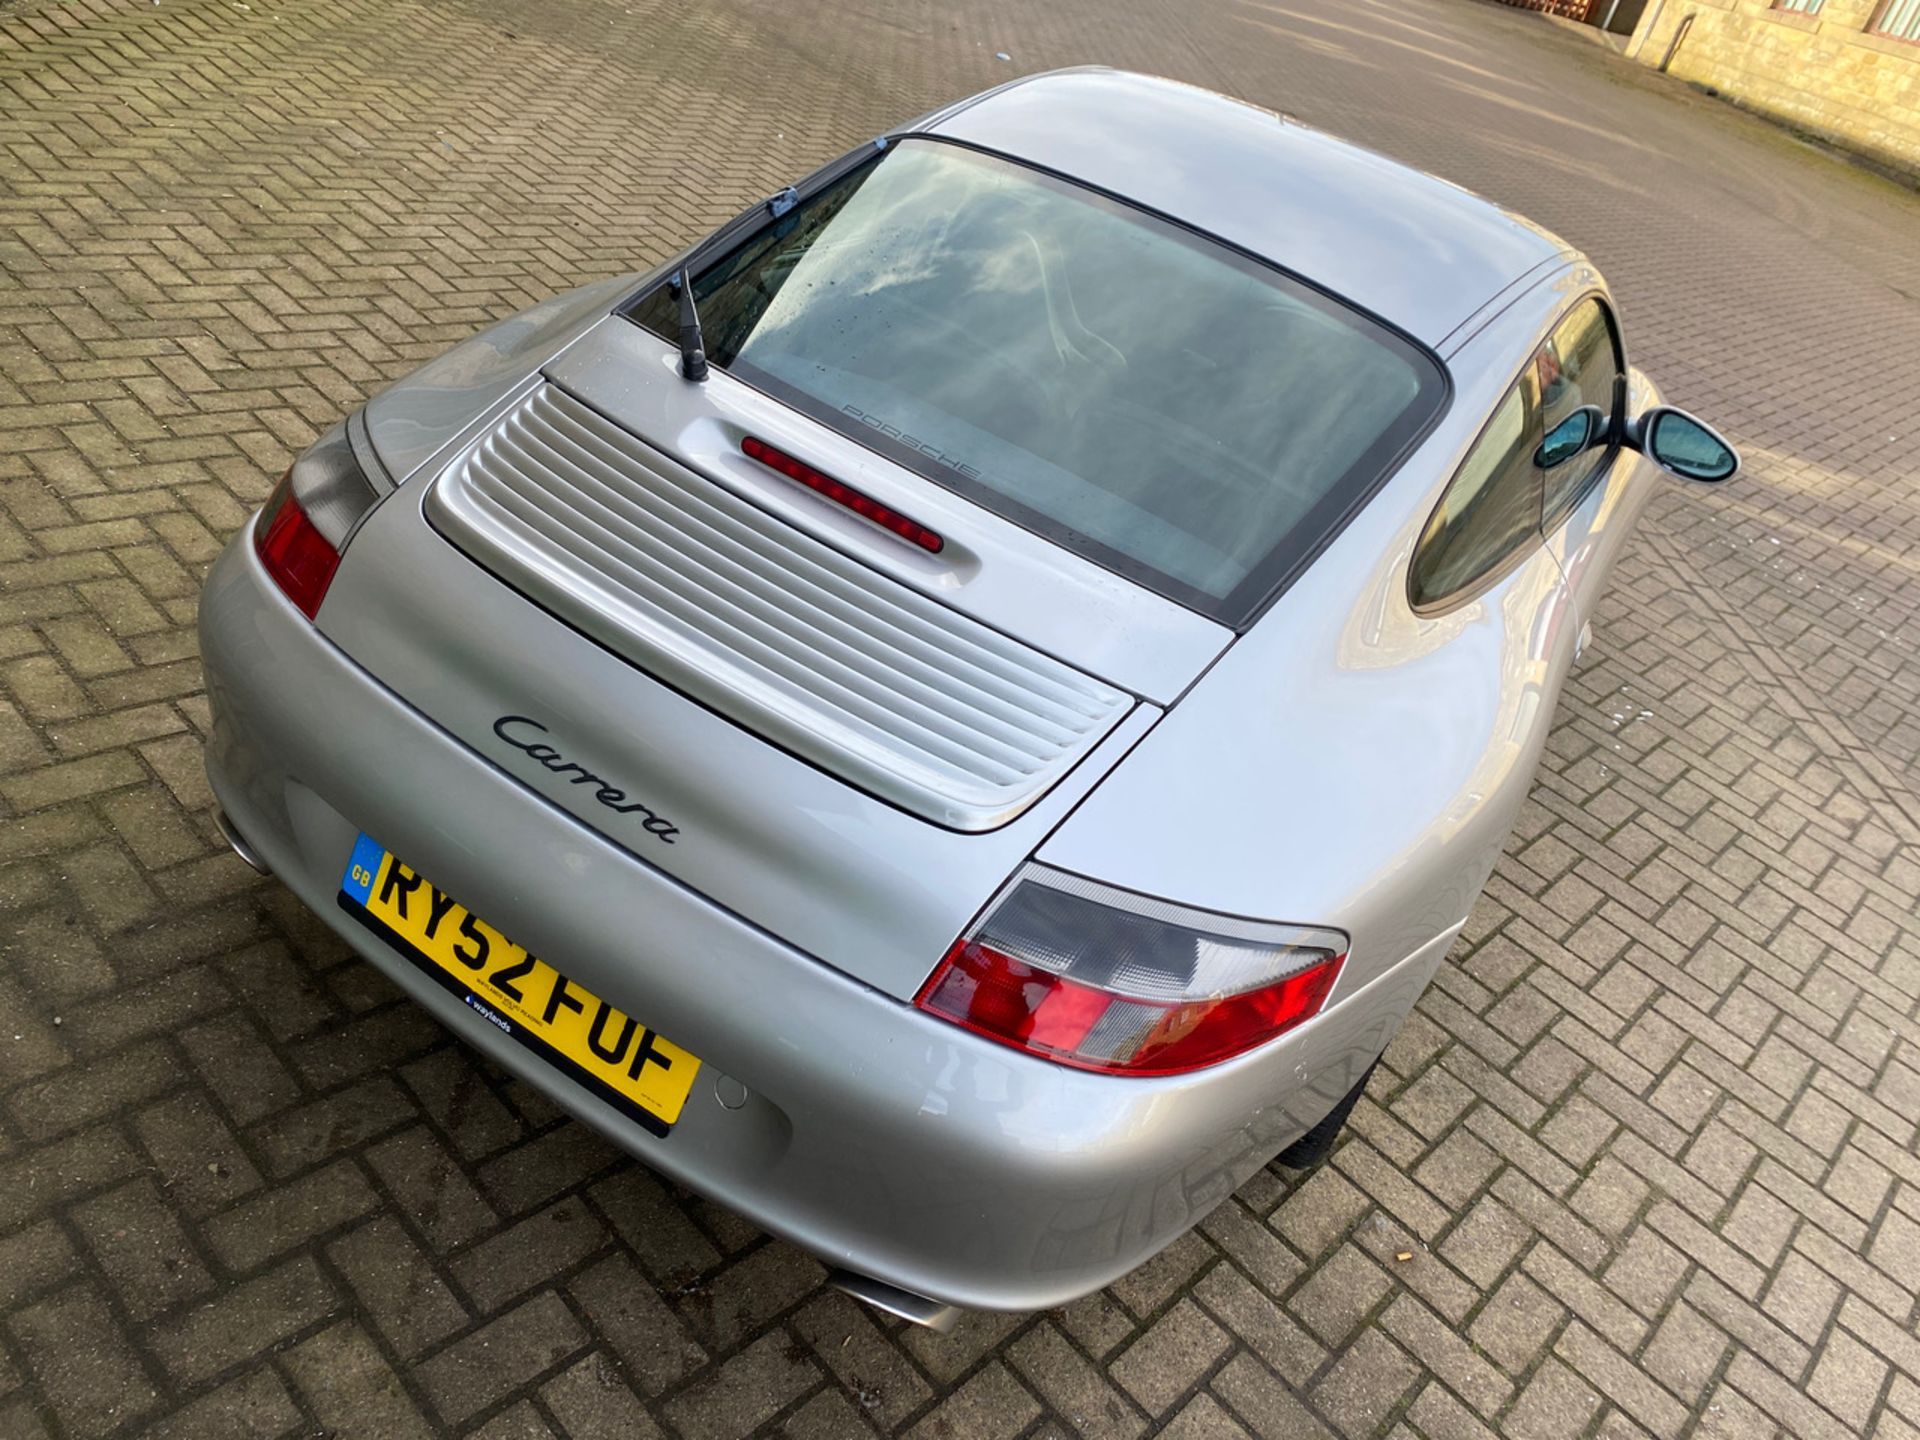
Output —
(1571, 436)
(1683, 445)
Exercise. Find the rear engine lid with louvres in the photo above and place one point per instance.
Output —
(840, 664)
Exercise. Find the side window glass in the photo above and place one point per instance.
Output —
(1579, 371)
(1492, 508)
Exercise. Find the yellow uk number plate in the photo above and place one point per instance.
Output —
(640, 1073)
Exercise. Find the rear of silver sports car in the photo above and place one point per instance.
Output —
(691, 747)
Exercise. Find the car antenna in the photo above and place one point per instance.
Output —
(693, 347)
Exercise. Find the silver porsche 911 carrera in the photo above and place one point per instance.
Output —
(956, 717)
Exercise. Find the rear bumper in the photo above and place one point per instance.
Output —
(873, 1136)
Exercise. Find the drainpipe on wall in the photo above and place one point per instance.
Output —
(1679, 39)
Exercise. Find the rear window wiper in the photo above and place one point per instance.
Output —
(693, 346)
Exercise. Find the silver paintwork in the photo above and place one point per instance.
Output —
(992, 570)
(1346, 763)
(1424, 730)
(1415, 250)
(417, 420)
(864, 886)
(864, 676)
(873, 1135)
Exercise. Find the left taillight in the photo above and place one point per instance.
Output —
(1087, 975)
(308, 518)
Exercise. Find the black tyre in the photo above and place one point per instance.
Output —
(1314, 1146)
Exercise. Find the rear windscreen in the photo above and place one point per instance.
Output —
(1170, 408)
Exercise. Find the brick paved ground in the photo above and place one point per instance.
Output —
(1650, 1138)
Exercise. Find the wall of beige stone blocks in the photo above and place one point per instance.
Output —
(1821, 73)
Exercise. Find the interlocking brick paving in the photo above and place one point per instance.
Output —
(1650, 1139)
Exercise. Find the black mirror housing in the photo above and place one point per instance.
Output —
(1684, 445)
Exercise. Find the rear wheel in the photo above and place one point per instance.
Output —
(1314, 1146)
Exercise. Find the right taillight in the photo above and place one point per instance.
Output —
(305, 523)
(1102, 979)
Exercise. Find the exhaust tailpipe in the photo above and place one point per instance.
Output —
(917, 1309)
(238, 843)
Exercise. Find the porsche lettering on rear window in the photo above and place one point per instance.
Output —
(1190, 417)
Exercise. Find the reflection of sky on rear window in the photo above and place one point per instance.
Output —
(1145, 390)
(866, 249)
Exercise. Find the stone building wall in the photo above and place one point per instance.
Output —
(1823, 73)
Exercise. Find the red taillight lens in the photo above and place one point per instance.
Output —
(311, 515)
(296, 555)
(862, 505)
(1104, 980)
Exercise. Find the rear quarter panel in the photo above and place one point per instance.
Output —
(1348, 761)
(1588, 543)
(420, 415)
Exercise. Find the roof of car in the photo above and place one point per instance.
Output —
(1417, 251)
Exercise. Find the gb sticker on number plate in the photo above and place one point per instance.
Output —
(639, 1072)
